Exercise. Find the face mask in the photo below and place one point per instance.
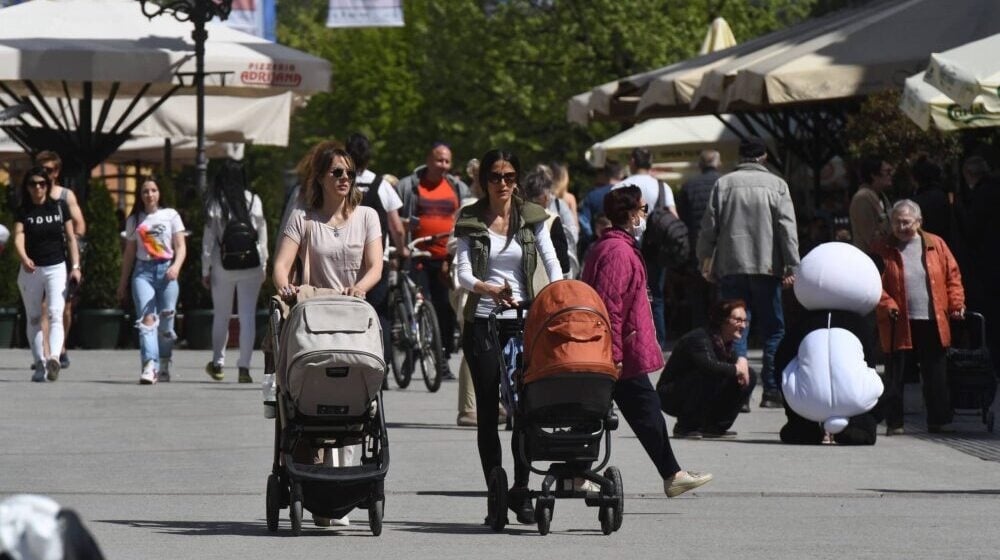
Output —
(639, 228)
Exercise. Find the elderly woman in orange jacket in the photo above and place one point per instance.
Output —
(921, 291)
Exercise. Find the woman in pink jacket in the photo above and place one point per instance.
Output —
(615, 269)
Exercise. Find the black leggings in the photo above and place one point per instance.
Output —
(485, 363)
(928, 353)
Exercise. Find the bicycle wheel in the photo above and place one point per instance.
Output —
(431, 352)
(402, 354)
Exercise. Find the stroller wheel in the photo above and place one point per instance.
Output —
(295, 509)
(543, 516)
(273, 502)
(607, 517)
(375, 510)
(618, 492)
(496, 499)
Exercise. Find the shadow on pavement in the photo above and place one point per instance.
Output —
(984, 492)
(420, 426)
(238, 528)
(458, 528)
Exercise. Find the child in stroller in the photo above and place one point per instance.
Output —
(560, 401)
(329, 372)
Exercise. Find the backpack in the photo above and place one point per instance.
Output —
(239, 245)
(666, 238)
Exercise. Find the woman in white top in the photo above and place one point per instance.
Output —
(154, 254)
(338, 241)
(499, 238)
(233, 260)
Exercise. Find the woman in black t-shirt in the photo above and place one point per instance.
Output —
(43, 238)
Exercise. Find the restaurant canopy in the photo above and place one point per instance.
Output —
(842, 56)
(81, 76)
(969, 74)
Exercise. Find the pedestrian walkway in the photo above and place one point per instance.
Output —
(177, 471)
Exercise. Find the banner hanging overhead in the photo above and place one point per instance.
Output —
(365, 13)
(256, 17)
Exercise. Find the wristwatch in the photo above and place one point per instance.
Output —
(76, 267)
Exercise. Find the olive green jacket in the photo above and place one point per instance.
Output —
(471, 225)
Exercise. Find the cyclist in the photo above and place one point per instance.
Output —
(499, 238)
(432, 195)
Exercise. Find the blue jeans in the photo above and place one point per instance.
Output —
(656, 277)
(154, 295)
(762, 294)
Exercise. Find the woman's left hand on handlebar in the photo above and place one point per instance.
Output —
(353, 291)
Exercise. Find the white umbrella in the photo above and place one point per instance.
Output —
(57, 42)
(969, 74)
(720, 36)
(928, 107)
(671, 139)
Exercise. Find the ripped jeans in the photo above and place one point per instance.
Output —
(154, 295)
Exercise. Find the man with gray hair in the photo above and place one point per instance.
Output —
(748, 241)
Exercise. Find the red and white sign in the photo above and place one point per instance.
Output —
(271, 74)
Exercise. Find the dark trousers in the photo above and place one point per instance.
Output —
(427, 273)
(640, 405)
(762, 293)
(860, 430)
(704, 402)
(378, 298)
(485, 364)
(928, 354)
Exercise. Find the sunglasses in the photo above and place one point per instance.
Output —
(338, 172)
(644, 208)
(50, 169)
(509, 178)
(38, 183)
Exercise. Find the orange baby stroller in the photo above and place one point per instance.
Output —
(563, 410)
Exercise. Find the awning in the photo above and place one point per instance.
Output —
(969, 74)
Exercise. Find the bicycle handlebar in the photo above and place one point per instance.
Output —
(412, 245)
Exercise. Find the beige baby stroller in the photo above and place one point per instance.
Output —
(329, 371)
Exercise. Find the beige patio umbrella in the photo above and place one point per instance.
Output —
(928, 107)
(872, 49)
(719, 37)
(969, 74)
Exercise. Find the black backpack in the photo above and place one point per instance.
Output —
(666, 238)
(239, 244)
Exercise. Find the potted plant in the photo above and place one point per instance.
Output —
(99, 317)
(10, 297)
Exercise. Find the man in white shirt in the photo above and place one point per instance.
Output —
(641, 163)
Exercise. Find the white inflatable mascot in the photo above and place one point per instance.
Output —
(829, 380)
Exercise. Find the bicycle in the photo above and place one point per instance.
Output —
(416, 337)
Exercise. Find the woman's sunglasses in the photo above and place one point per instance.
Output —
(38, 183)
(495, 178)
(338, 172)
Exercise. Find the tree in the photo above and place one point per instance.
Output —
(482, 74)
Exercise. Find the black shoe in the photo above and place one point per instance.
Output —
(245, 375)
(728, 434)
(63, 360)
(448, 375)
(771, 399)
(681, 433)
(745, 408)
(520, 504)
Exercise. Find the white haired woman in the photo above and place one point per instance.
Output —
(921, 291)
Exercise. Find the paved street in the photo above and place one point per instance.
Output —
(177, 471)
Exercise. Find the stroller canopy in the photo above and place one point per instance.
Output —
(567, 331)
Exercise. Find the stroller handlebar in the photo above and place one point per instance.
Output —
(521, 307)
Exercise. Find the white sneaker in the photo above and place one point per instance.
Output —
(148, 375)
(342, 522)
(52, 368)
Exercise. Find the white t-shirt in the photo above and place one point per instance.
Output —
(154, 235)
(388, 195)
(211, 252)
(505, 265)
(650, 189)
